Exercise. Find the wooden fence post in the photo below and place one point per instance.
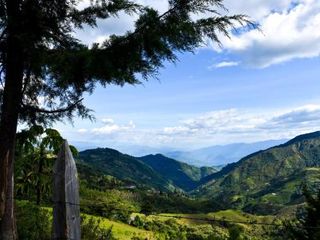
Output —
(66, 209)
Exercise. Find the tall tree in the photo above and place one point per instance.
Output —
(45, 70)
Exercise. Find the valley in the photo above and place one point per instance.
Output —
(157, 197)
(270, 179)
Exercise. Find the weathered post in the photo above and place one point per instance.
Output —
(66, 209)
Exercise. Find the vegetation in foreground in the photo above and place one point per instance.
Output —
(34, 222)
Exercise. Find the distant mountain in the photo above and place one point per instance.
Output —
(155, 171)
(130, 149)
(181, 174)
(221, 155)
(140, 151)
(124, 167)
(81, 146)
(263, 182)
(270, 178)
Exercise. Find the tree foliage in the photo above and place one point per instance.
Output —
(58, 68)
(307, 226)
(36, 151)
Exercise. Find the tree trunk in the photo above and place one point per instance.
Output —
(8, 223)
(6, 173)
(40, 169)
(12, 97)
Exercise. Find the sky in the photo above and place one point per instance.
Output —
(258, 85)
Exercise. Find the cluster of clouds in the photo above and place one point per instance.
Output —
(224, 64)
(235, 121)
(217, 127)
(289, 29)
(109, 127)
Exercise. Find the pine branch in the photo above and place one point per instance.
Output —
(34, 109)
(102, 10)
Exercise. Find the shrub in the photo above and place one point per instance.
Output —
(91, 230)
(33, 222)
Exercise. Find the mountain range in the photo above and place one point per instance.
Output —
(264, 181)
(124, 167)
(273, 177)
(217, 155)
(221, 155)
(151, 171)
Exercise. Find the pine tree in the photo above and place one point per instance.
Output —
(41, 59)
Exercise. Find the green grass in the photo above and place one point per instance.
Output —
(239, 216)
(120, 230)
(227, 215)
(123, 231)
(230, 216)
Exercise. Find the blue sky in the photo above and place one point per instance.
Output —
(258, 86)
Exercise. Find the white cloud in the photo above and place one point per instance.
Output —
(82, 130)
(290, 30)
(216, 122)
(161, 5)
(108, 121)
(224, 64)
(109, 127)
(83, 4)
(306, 117)
(239, 125)
(256, 9)
(177, 130)
(211, 128)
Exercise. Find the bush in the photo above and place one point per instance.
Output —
(91, 230)
(33, 222)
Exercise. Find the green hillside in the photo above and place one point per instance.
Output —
(181, 174)
(124, 167)
(263, 182)
(152, 171)
(267, 178)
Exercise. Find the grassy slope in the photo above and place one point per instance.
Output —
(155, 171)
(181, 174)
(123, 231)
(120, 230)
(227, 215)
(124, 167)
(271, 176)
